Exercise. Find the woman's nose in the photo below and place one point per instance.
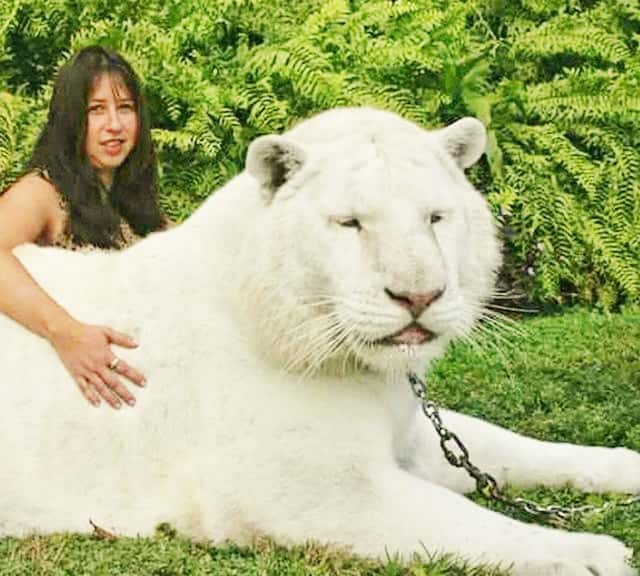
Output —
(114, 122)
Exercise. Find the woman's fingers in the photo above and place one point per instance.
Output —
(104, 390)
(119, 338)
(119, 366)
(87, 355)
(110, 378)
(106, 385)
(87, 391)
(97, 386)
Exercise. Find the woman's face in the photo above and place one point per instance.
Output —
(112, 125)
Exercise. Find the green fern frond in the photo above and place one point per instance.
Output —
(561, 35)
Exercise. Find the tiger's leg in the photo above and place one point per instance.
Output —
(516, 459)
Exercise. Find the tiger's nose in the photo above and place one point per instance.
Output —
(415, 303)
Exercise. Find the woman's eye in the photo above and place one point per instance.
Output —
(435, 217)
(351, 223)
(127, 106)
(95, 109)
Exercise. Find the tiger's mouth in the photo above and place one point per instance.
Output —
(412, 335)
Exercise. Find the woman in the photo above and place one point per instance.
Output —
(91, 182)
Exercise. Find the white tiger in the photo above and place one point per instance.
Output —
(277, 325)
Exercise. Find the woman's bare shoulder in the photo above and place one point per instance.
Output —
(32, 187)
(29, 209)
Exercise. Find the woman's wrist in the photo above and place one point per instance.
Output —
(58, 326)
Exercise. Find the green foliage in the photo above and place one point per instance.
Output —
(567, 117)
(168, 555)
(573, 378)
(20, 120)
(556, 82)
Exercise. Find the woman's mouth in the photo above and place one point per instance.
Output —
(113, 147)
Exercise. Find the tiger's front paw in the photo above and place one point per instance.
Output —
(553, 567)
(601, 555)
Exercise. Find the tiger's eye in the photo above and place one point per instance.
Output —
(435, 217)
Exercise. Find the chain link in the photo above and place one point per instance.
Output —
(457, 455)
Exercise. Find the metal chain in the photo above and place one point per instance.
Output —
(457, 455)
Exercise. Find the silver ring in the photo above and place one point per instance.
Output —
(113, 365)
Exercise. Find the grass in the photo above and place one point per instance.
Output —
(574, 377)
(571, 378)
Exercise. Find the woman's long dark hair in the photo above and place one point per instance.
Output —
(60, 150)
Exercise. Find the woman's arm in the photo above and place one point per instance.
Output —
(29, 210)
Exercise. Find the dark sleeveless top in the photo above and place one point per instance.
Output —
(127, 236)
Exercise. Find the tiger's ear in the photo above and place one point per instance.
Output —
(272, 160)
(465, 140)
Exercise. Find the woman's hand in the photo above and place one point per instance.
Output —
(86, 353)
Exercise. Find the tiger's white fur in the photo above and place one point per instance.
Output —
(271, 326)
